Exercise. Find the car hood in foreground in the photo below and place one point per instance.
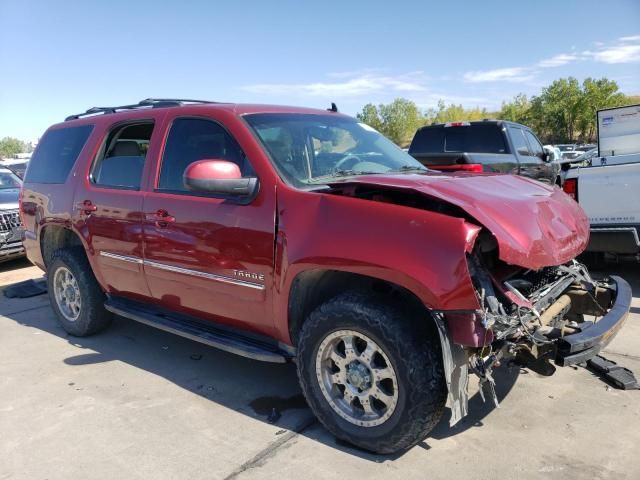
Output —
(535, 225)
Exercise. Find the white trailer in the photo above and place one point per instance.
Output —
(619, 134)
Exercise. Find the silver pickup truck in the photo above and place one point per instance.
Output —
(10, 240)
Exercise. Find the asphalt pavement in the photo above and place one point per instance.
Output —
(138, 403)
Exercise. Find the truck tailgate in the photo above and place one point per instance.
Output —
(610, 194)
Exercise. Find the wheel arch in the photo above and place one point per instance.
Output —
(54, 237)
(314, 286)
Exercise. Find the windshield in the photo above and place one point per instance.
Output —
(566, 148)
(310, 149)
(8, 180)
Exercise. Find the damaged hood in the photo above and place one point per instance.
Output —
(535, 225)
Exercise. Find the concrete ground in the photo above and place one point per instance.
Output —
(135, 402)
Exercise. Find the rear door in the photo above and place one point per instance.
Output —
(108, 206)
(206, 255)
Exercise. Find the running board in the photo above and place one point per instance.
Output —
(241, 343)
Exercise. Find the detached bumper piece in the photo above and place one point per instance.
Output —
(583, 346)
(618, 376)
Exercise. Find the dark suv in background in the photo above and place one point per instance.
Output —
(484, 146)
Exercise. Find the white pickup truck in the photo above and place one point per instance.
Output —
(609, 189)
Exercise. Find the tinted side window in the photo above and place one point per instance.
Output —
(519, 142)
(193, 139)
(534, 144)
(121, 159)
(57, 151)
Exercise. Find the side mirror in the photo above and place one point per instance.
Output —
(545, 157)
(218, 176)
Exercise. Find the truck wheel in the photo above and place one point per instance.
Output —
(372, 372)
(75, 294)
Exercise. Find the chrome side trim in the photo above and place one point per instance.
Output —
(124, 258)
(209, 276)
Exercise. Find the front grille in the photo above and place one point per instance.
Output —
(9, 220)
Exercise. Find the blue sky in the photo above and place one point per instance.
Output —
(62, 57)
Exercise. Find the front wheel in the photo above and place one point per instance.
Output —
(372, 372)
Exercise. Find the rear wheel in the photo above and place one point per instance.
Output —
(75, 295)
(372, 372)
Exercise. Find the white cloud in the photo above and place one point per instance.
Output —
(350, 84)
(558, 60)
(623, 50)
(512, 74)
(621, 53)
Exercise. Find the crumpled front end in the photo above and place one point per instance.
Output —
(555, 315)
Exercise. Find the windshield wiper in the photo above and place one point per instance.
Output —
(343, 173)
(410, 168)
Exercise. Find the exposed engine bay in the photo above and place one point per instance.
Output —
(537, 307)
(532, 317)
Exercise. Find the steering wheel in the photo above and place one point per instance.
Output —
(349, 157)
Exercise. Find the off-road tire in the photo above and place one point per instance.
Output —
(410, 340)
(93, 317)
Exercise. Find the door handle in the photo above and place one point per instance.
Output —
(161, 218)
(86, 207)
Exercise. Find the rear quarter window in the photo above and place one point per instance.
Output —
(56, 154)
(474, 138)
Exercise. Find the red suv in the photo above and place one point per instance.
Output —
(291, 234)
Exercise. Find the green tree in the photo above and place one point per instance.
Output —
(454, 113)
(9, 146)
(517, 110)
(565, 111)
(596, 95)
(559, 107)
(400, 120)
(397, 120)
(370, 116)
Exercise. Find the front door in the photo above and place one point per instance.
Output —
(545, 170)
(108, 208)
(529, 164)
(206, 255)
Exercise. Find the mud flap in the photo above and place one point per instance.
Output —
(456, 371)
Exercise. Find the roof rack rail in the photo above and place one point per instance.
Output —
(146, 103)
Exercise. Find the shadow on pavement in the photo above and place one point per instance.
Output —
(266, 392)
(15, 264)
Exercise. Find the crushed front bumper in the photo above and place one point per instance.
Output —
(580, 347)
